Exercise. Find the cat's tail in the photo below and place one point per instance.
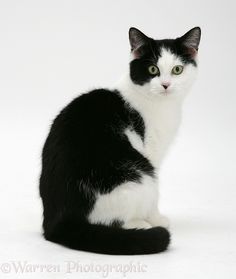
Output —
(110, 239)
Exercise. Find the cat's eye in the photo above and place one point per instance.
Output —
(153, 70)
(177, 70)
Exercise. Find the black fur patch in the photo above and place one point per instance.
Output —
(87, 152)
(117, 223)
(113, 240)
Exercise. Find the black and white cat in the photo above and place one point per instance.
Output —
(99, 180)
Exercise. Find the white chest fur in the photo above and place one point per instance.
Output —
(161, 123)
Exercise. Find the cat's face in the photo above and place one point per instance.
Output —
(163, 67)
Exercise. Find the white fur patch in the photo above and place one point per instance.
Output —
(129, 201)
(135, 140)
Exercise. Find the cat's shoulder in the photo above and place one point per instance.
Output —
(95, 105)
(98, 98)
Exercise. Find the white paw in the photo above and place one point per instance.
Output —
(137, 224)
(159, 221)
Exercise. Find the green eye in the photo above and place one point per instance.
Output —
(177, 70)
(153, 70)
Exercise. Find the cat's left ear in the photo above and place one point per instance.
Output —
(137, 39)
(191, 40)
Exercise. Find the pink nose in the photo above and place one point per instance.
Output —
(165, 84)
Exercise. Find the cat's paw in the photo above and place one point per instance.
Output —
(159, 221)
(137, 224)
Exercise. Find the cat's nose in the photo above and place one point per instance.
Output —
(165, 84)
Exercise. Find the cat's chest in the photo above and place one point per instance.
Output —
(161, 126)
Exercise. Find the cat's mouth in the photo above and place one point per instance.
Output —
(161, 91)
(165, 92)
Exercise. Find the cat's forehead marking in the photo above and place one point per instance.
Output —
(167, 59)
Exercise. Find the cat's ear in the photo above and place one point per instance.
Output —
(191, 40)
(136, 39)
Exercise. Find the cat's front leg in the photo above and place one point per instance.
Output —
(158, 220)
(137, 224)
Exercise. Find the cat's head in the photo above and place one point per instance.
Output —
(163, 67)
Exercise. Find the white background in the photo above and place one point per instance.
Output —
(52, 50)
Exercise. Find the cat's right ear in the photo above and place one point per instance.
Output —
(137, 39)
(191, 40)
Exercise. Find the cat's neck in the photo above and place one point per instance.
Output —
(161, 115)
(139, 97)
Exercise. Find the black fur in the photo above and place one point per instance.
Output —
(113, 240)
(86, 152)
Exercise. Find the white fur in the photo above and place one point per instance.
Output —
(136, 204)
(129, 201)
(135, 140)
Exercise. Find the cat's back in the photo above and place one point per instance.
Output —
(92, 112)
(92, 119)
(93, 107)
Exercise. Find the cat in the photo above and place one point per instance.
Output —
(100, 161)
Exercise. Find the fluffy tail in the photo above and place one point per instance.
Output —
(110, 240)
